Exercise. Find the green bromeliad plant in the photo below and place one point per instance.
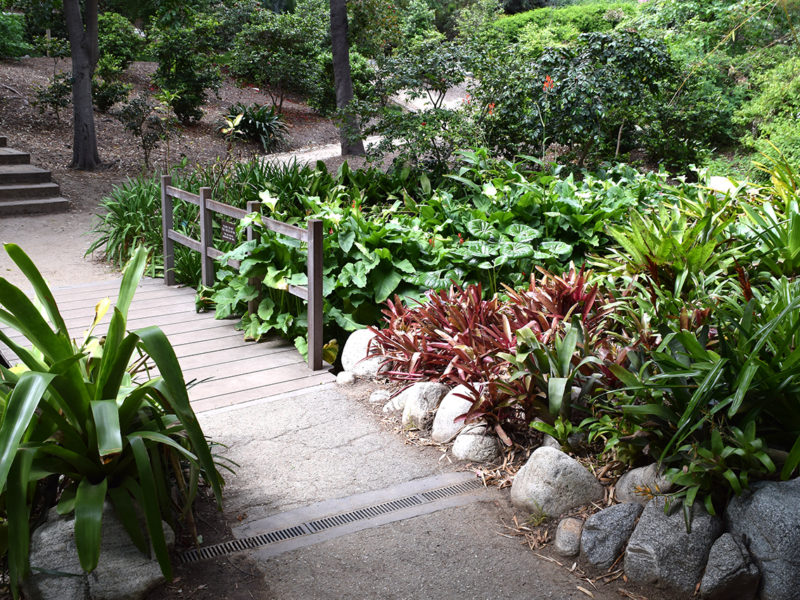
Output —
(76, 417)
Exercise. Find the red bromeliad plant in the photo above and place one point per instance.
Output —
(458, 337)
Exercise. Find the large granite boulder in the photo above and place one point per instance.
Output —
(662, 552)
(551, 483)
(476, 444)
(356, 352)
(568, 536)
(767, 521)
(641, 484)
(419, 403)
(123, 572)
(730, 573)
(453, 405)
(605, 533)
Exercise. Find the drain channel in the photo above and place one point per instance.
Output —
(325, 523)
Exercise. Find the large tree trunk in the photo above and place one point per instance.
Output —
(83, 47)
(349, 131)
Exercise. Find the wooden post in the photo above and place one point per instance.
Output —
(166, 225)
(206, 238)
(315, 294)
(252, 305)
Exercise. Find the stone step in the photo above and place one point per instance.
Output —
(10, 174)
(33, 206)
(3, 141)
(10, 156)
(20, 191)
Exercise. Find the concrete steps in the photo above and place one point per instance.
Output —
(25, 189)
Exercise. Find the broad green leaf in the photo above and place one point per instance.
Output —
(557, 248)
(130, 279)
(557, 389)
(158, 347)
(106, 421)
(126, 512)
(480, 229)
(40, 288)
(20, 408)
(386, 282)
(88, 522)
(18, 513)
(150, 506)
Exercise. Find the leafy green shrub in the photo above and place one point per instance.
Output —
(279, 51)
(183, 44)
(771, 116)
(77, 416)
(132, 219)
(322, 97)
(260, 124)
(594, 97)
(107, 89)
(55, 96)
(585, 18)
(147, 121)
(117, 38)
(12, 36)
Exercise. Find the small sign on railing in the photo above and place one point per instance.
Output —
(205, 246)
(227, 231)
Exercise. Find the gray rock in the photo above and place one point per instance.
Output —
(606, 533)
(345, 378)
(730, 574)
(767, 520)
(123, 573)
(663, 553)
(379, 396)
(445, 427)
(355, 352)
(640, 485)
(475, 444)
(420, 402)
(568, 536)
(551, 483)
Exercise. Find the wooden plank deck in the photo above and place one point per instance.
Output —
(226, 369)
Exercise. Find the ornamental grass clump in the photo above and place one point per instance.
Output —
(81, 425)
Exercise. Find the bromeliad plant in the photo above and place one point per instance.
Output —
(76, 418)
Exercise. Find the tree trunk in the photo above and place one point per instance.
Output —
(83, 47)
(349, 132)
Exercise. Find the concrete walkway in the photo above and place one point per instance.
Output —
(298, 452)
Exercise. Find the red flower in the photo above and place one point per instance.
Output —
(424, 123)
(548, 84)
(491, 108)
(430, 241)
(460, 239)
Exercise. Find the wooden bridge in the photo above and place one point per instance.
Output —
(227, 370)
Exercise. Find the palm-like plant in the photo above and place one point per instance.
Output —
(73, 413)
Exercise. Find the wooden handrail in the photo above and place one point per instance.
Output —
(205, 245)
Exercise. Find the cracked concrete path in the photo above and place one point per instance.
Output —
(314, 446)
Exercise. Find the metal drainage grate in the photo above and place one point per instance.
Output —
(324, 523)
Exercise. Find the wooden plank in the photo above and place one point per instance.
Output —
(226, 355)
(226, 209)
(221, 386)
(183, 195)
(314, 380)
(168, 246)
(185, 240)
(248, 383)
(237, 369)
(297, 233)
(314, 295)
(206, 238)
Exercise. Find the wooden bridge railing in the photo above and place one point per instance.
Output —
(205, 246)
